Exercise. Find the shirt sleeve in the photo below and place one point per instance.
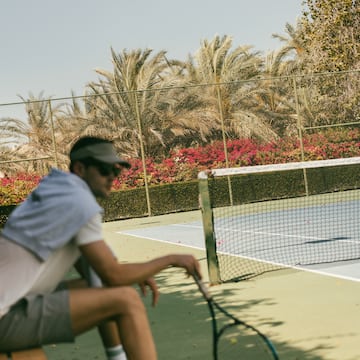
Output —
(90, 232)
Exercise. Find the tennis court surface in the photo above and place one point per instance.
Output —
(306, 314)
(303, 239)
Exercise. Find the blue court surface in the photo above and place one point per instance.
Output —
(300, 236)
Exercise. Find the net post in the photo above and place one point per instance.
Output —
(208, 226)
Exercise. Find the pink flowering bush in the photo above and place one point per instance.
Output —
(14, 189)
(184, 164)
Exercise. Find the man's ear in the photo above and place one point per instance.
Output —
(78, 168)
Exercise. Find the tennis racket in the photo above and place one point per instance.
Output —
(233, 338)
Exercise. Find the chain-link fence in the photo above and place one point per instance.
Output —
(172, 133)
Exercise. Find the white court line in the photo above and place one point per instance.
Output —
(264, 233)
(187, 226)
(159, 240)
(318, 272)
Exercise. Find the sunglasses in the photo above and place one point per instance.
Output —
(108, 169)
(105, 169)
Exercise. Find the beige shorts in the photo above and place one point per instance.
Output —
(37, 320)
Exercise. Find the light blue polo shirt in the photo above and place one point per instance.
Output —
(52, 214)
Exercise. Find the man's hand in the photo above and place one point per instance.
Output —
(151, 283)
(189, 263)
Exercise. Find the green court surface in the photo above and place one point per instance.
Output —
(306, 315)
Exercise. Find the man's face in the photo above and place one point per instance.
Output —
(100, 177)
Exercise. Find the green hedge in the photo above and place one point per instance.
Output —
(252, 188)
(179, 197)
(270, 186)
(5, 212)
(164, 199)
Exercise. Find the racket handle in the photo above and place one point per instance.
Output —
(90, 275)
(202, 287)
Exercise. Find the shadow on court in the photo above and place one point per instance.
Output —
(182, 328)
(306, 316)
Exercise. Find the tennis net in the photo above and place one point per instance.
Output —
(262, 218)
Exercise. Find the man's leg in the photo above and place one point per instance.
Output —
(108, 330)
(123, 305)
(111, 340)
(109, 334)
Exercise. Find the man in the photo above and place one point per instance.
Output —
(45, 236)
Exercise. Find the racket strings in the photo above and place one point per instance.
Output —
(233, 338)
(235, 341)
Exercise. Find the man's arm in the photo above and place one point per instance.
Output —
(113, 273)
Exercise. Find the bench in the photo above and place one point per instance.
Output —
(30, 354)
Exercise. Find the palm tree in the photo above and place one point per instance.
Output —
(32, 138)
(290, 62)
(128, 103)
(327, 99)
(293, 48)
(73, 121)
(272, 99)
(227, 74)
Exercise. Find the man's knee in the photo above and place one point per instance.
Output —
(90, 307)
(126, 299)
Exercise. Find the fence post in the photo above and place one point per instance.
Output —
(224, 140)
(142, 153)
(299, 126)
(53, 134)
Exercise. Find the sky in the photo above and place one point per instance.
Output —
(53, 47)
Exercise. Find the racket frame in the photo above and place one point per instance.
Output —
(217, 333)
